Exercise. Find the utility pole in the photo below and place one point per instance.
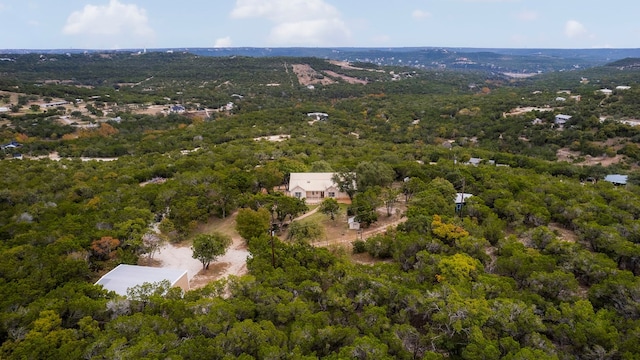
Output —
(273, 253)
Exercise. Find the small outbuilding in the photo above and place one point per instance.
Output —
(124, 277)
(461, 199)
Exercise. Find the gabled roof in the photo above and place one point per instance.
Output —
(125, 276)
(311, 181)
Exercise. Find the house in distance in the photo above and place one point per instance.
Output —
(314, 187)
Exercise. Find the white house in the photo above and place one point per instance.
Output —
(606, 91)
(124, 277)
(314, 187)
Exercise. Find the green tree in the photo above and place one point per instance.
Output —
(207, 248)
(330, 206)
(364, 207)
(253, 223)
(374, 173)
(411, 187)
(346, 182)
(302, 231)
(389, 197)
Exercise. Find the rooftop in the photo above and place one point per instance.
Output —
(124, 277)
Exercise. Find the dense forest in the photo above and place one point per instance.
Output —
(542, 262)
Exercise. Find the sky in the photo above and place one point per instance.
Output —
(137, 24)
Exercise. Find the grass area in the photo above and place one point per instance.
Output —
(225, 226)
(333, 229)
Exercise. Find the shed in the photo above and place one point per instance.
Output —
(461, 199)
(125, 276)
(353, 224)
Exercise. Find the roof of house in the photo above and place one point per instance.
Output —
(461, 198)
(617, 179)
(311, 181)
(563, 116)
(125, 276)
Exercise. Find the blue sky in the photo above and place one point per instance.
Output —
(119, 24)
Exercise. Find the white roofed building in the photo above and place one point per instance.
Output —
(314, 187)
(124, 277)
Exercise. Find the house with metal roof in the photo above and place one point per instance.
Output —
(617, 179)
(314, 187)
(124, 277)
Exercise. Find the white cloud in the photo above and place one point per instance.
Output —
(527, 15)
(224, 42)
(574, 29)
(420, 14)
(297, 22)
(113, 23)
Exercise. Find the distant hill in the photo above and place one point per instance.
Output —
(626, 63)
(493, 60)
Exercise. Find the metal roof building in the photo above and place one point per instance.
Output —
(124, 277)
(617, 179)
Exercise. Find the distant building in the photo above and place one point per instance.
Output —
(124, 277)
(177, 109)
(12, 145)
(477, 161)
(318, 115)
(228, 107)
(353, 224)
(53, 104)
(623, 87)
(606, 91)
(561, 119)
(461, 199)
(617, 179)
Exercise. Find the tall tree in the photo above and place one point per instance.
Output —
(330, 206)
(207, 248)
(253, 223)
(346, 182)
(374, 173)
(364, 207)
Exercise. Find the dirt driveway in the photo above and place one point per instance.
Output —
(234, 262)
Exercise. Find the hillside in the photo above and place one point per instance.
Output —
(104, 151)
